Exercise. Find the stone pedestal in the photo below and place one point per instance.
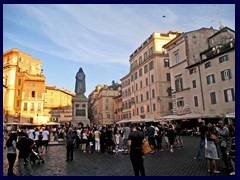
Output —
(80, 110)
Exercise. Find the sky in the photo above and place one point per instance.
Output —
(99, 38)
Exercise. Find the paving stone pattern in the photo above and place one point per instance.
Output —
(178, 163)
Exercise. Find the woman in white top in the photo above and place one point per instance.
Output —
(11, 152)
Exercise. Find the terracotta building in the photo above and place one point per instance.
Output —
(24, 86)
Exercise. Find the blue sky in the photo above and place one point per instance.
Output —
(99, 38)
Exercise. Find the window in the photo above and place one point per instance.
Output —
(133, 112)
(25, 107)
(223, 59)
(106, 107)
(141, 97)
(140, 60)
(195, 101)
(179, 84)
(132, 90)
(153, 93)
(180, 103)
(154, 107)
(33, 94)
(136, 75)
(137, 111)
(207, 65)
(226, 74)
(32, 107)
(166, 62)
(151, 65)
(18, 103)
(19, 82)
(194, 85)
(151, 51)
(169, 91)
(170, 106)
(140, 72)
(194, 39)
(147, 95)
(141, 84)
(168, 77)
(193, 70)
(132, 78)
(213, 98)
(146, 81)
(136, 99)
(148, 108)
(18, 92)
(142, 109)
(177, 58)
(136, 87)
(33, 85)
(210, 79)
(108, 116)
(145, 56)
(229, 95)
(39, 106)
(152, 78)
(146, 68)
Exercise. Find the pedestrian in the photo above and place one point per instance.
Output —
(150, 133)
(24, 146)
(70, 141)
(45, 138)
(97, 140)
(135, 141)
(171, 134)
(211, 150)
(103, 140)
(202, 129)
(11, 152)
(179, 139)
(84, 140)
(223, 135)
(117, 141)
(126, 132)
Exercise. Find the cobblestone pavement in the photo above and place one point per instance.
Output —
(178, 163)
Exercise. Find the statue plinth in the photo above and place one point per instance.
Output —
(80, 110)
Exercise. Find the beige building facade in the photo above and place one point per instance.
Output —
(102, 104)
(146, 91)
(58, 104)
(117, 105)
(196, 76)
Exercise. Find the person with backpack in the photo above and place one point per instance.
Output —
(11, 152)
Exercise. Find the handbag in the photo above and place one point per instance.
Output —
(146, 148)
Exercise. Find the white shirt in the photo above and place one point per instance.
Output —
(36, 135)
(30, 134)
(45, 134)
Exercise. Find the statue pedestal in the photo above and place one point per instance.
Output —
(80, 110)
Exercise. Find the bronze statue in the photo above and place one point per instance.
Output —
(80, 87)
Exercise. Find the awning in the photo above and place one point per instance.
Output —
(230, 115)
(26, 124)
(52, 124)
(134, 121)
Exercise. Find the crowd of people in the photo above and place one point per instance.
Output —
(218, 141)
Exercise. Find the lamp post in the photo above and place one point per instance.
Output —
(37, 119)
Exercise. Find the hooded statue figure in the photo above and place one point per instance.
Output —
(80, 87)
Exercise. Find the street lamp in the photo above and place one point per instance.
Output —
(37, 119)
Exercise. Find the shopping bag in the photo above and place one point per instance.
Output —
(146, 148)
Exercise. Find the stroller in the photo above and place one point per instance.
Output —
(36, 157)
